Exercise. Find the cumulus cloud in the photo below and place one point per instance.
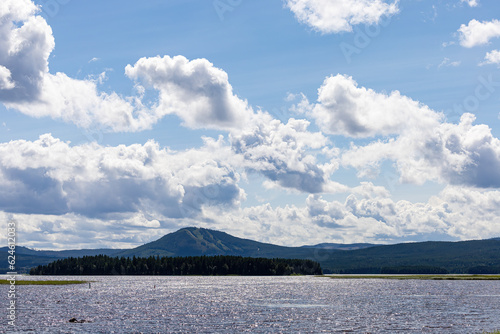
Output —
(80, 102)
(328, 16)
(26, 41)
(478, 33)
(58, 231)
(51, 177)
(6, 82)
(459, 154)
(492, 57)
(457, 213)
(280, 152)
(196, 91)
(368, 215)
(345, 109)
(472, 3)
(422, 146)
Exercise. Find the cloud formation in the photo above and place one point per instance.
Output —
(478, 33)
(492, 57)
(471, 3)
(327, 16)
(280, 153)
(196, 91)
(345, 109)
(421, 144)
(457, 212)
(458, 154)
(51, 177)
(26, 42)
(368, 214)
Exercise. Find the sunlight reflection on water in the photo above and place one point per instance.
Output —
(132, 304)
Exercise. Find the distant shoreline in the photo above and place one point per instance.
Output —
(463, 277)
(33, 282)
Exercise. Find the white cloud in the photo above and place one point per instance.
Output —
(6, 82)
(422, 146)
(460, 154)
(280, 152)
(49, 176)
(457, 213)
(294, 226)
(447, 63)
(472, 3)
(25, 43)
(196, 91)
(333, 16)
(345, 109)
(478, 33)
(80, 102)
(57, 232)
(492, 57)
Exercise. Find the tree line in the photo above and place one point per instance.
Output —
(396, 270)
(191, 265)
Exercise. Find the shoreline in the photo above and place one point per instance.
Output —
(34, 282)
(462, 277)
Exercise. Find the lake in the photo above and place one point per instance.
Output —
(300, 304)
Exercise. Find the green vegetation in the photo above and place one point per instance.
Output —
(193, 241)
(197, 265)
(465, 257)
(27, 258)
(413, 270)
(418, 277)
(485, 270)
(23, 282)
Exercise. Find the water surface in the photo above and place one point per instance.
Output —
(134, 304)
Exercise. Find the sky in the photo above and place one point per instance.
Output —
(285, 121)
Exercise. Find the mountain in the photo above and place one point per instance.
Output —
(340, 246)
(27, 258)
(193, 241)
(455, 257)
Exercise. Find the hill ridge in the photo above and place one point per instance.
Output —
(455, 256)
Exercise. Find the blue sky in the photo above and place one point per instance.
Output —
(287, 121)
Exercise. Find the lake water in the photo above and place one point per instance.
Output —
(118, 304)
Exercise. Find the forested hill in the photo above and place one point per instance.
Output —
(193, 241)
(27, 258)
(198, 265)
(476, 256)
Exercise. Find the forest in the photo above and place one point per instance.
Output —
(191, 265)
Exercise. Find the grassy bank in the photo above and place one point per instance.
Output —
(419, 277)
(23, 282)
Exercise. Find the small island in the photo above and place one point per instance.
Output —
(192, 265)
(450, 277)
